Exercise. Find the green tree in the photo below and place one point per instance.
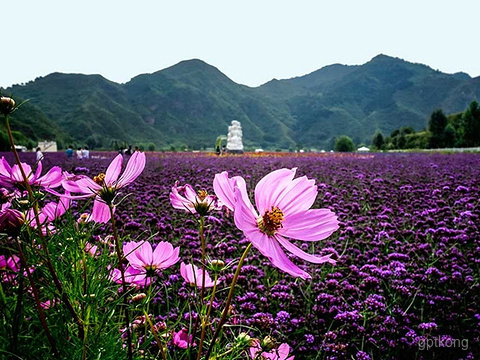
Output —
(344, 144)
(470, 125)
(401, 140)
(449, 136)
(436, 126)
(151, 147)
(378, 141)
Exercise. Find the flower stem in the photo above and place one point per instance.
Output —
(155, 335)
(207, 316)
(36, 296)
(201, 230)
(124, 283)
(48, 261)
(228, 302)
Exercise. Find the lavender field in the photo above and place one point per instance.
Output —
(406, 281)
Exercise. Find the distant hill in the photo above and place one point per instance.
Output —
(191, 103)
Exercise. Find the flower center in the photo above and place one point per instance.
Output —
(202, 194)
(271, 221)
(100, 179)
(150, 270)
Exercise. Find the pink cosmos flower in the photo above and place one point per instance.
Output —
(48, 304)
(194, 276)
(185, 198)
(91, 249)
(145, 260)
(11, 176)
(182, 339)
(48, 214)
(280, 353)
(11, 267)
(284, 213)
(104, 187)
(132, 276)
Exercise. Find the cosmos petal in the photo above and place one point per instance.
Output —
(310, 225)
(135, 166)
(270, 187)
(113, 170)
(302, 254)
(100, 212)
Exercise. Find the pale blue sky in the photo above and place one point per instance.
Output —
(249, 41)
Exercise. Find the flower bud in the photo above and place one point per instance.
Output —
(245, 340)
(5, 196)
(268, 343)
(139, 297)
(217, 264)
(11, 221)
(7, 105)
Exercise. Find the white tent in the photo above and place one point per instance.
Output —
(363, 149)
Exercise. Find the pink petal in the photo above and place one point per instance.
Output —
(184, 272)
(244, 215)
(84, 184)
(130, 247)
(5, 168)
(67, 194)
(165, 255)
(38, 172)
(269, 247)
(302, 254)
(310, 225)
(100, 212)
(299, 195)
(143, 255)
(134, 168)
(224, 189)
(113, 170)
(178, 201)
(53, 178)
(17, 173)
(270, 187)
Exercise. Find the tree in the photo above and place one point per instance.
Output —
(344, 144)
(470, 125)
(378, 141)
(436, 126)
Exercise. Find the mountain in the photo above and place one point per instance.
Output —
(191, 103)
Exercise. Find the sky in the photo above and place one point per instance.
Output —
(250, 41)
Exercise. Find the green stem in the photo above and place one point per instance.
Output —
(124, 283)
(204, 321)
(202, 290)
(36, 296)
(228, 302)
(17, 313)
(155, 335)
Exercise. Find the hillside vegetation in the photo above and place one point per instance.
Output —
(191, 103)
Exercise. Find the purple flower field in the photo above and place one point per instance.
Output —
(406, 283)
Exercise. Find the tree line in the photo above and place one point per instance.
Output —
(457, 130)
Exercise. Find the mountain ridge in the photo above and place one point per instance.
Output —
(189, 104)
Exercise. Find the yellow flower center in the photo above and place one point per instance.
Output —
(271, 221)
(202, 194)
(100, 179)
